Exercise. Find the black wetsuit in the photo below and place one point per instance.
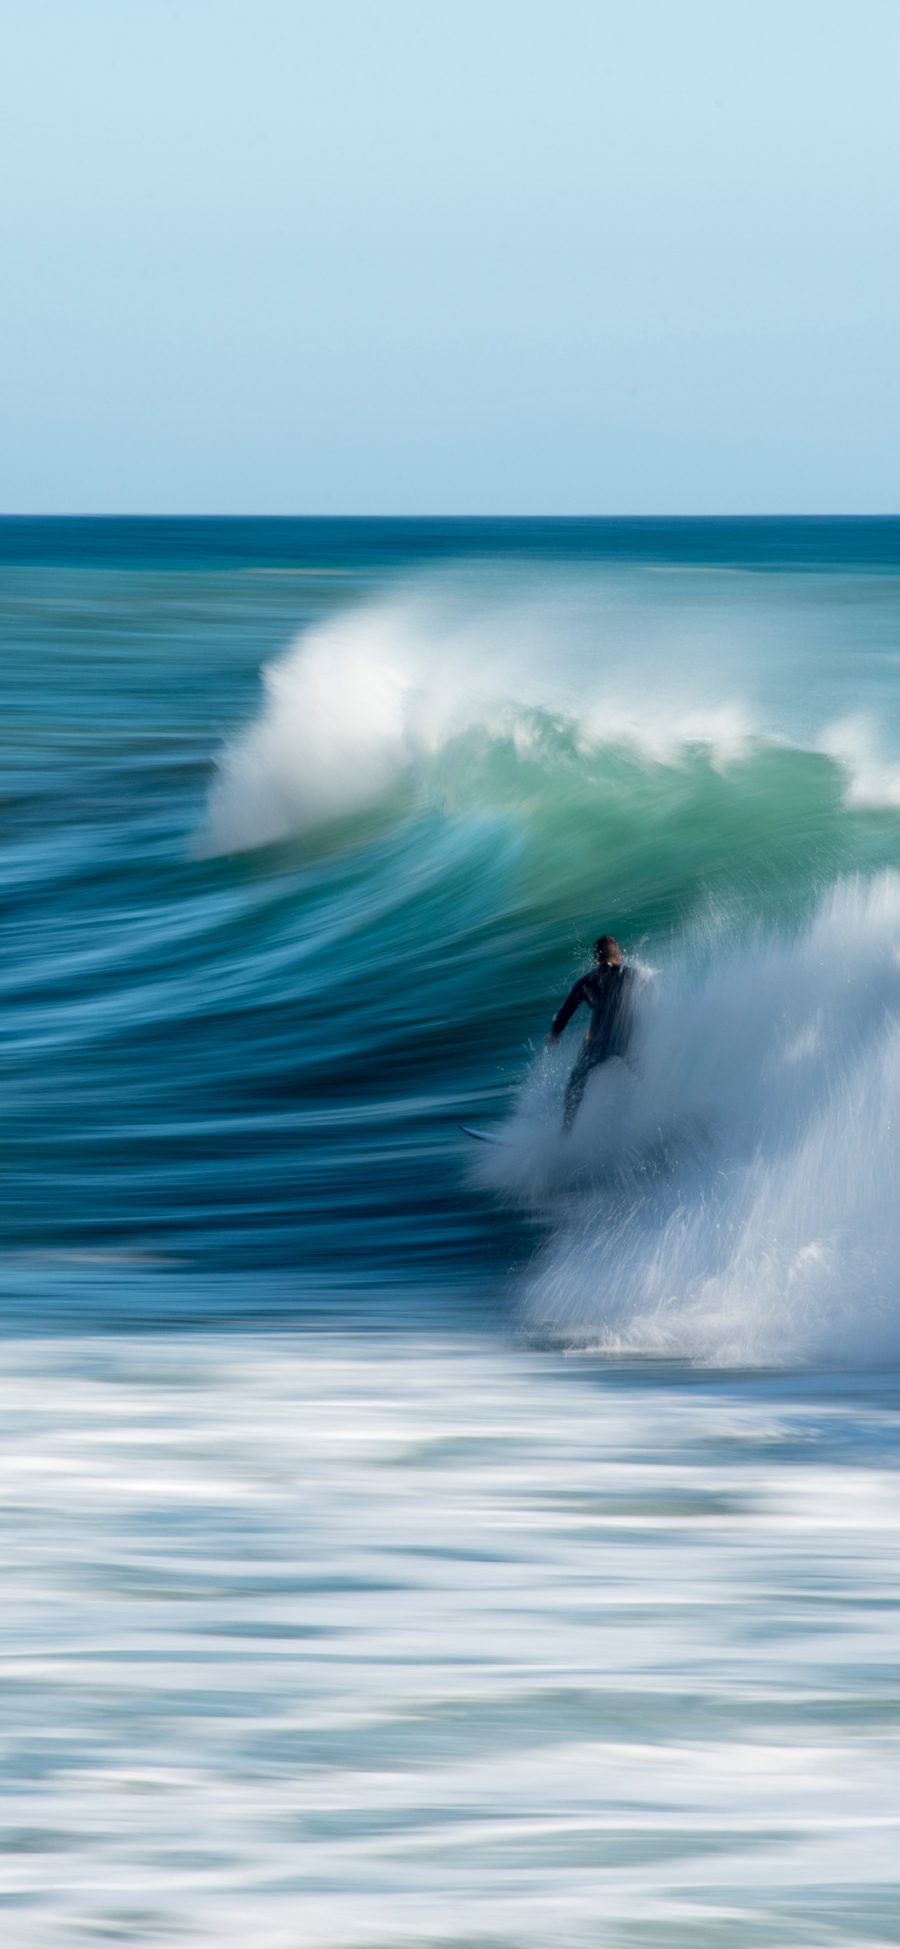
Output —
(609, 996)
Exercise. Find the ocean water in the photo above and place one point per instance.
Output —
(406, 1540)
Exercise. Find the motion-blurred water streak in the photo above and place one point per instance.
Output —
(365, 1642)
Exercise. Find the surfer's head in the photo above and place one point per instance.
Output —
(607, 952)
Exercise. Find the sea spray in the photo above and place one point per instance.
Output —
(736, 1197)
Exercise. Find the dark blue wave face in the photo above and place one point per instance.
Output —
(266, 951)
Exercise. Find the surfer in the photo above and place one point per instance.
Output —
(607, 990)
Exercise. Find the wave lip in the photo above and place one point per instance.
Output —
(330, 739)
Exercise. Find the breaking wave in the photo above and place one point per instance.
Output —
(737, 1198)
(372, 698)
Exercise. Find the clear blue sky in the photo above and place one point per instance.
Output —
(450, 255)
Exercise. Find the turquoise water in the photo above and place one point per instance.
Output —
(523, 1569)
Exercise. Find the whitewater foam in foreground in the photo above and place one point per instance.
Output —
(400, 1644)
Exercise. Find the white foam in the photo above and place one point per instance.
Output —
(743, 1193)
(331, 736)
(334, 1639)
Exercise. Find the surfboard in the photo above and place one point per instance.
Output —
(482, 1136)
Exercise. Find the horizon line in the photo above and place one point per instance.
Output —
(198, 514)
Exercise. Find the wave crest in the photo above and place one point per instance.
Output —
(372, 695)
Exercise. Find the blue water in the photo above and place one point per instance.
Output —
(238, 1047)
(524, 1570)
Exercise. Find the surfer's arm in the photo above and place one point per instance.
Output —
(563, 1015)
